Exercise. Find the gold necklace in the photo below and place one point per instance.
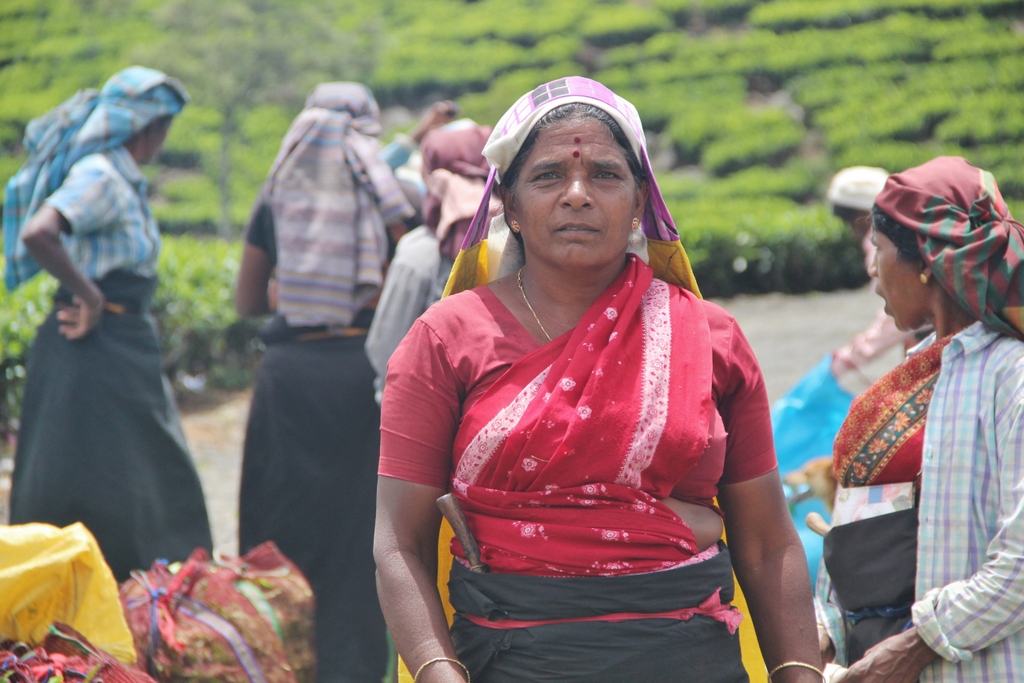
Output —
(519, 277)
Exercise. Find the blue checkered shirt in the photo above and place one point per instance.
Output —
(970, 544)
(104, 200)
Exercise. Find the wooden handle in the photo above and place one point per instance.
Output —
(817, 524)
(452, 511)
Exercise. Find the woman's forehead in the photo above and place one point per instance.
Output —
(573, 133)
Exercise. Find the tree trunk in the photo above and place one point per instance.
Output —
(225, 230)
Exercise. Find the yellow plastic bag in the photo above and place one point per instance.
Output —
(49, 574)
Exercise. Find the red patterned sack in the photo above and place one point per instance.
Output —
(64, 655)
(237, 620)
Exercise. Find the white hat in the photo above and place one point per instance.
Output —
(856, 187)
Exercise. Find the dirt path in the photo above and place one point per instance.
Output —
(789, 334)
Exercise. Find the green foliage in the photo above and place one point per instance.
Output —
(765, 245)
(235, 54)
(21, 312)
(726, 137)
(769, 136)
(716, 11)
(617, 25)
(195, 311)
(993, 116)
(789, 14)
(189, 202)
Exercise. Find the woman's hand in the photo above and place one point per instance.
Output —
(405, 550)
(706, 523)
(437, 114)
(771, 566)
(899, 659)
(80, 318)
(828, 650)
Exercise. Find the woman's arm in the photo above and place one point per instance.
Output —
(770, 564)
(251, 296)
(41, 236)
(405, 550)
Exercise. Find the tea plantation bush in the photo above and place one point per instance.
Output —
(864, 81)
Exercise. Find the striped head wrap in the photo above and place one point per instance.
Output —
(664, 251)
(87, 123)
(966, 235)
(331, 197)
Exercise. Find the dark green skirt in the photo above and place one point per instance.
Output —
(100, 440)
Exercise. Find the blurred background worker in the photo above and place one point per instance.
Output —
(320, 229)
(453, 171)
(851, 194)
(100, 439)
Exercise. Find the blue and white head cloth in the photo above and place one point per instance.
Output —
(87, 123)
(665, 253)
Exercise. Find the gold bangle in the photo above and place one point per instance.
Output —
(424, 665)
(802, 665)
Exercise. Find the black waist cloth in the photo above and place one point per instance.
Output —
(700, 649)
(132, 292)
(873, 564)
(309, 483)
(100, 440)
(277, 329)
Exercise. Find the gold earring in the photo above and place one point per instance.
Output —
(636, 223)
(924, 278)
(515, 226)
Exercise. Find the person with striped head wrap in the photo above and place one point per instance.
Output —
(935, 591)
(100, 440)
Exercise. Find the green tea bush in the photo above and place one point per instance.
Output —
(714, 11)
(784, 15)
(607, 26)
(771, 137)
(897, 115)
(761, 245)
(993, 116)
(894, 156)
(413, 69)
(728, 135)
(21, 312)
(195, 311)
(188, 203)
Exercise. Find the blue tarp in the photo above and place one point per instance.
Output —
(804, 423)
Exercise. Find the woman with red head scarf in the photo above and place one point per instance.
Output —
(454, 173)
(935, 590)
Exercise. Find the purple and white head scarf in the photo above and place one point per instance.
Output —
(516, 124)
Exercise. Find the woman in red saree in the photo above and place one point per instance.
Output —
(586, 408)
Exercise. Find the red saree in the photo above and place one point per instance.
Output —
(561, 464)
(882, 438)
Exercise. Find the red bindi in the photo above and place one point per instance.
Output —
(577, 140)
(576, 153)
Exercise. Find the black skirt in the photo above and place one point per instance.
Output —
(100, 439)
(700, 649)
(309, 483)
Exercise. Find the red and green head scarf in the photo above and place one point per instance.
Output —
(966, 235)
